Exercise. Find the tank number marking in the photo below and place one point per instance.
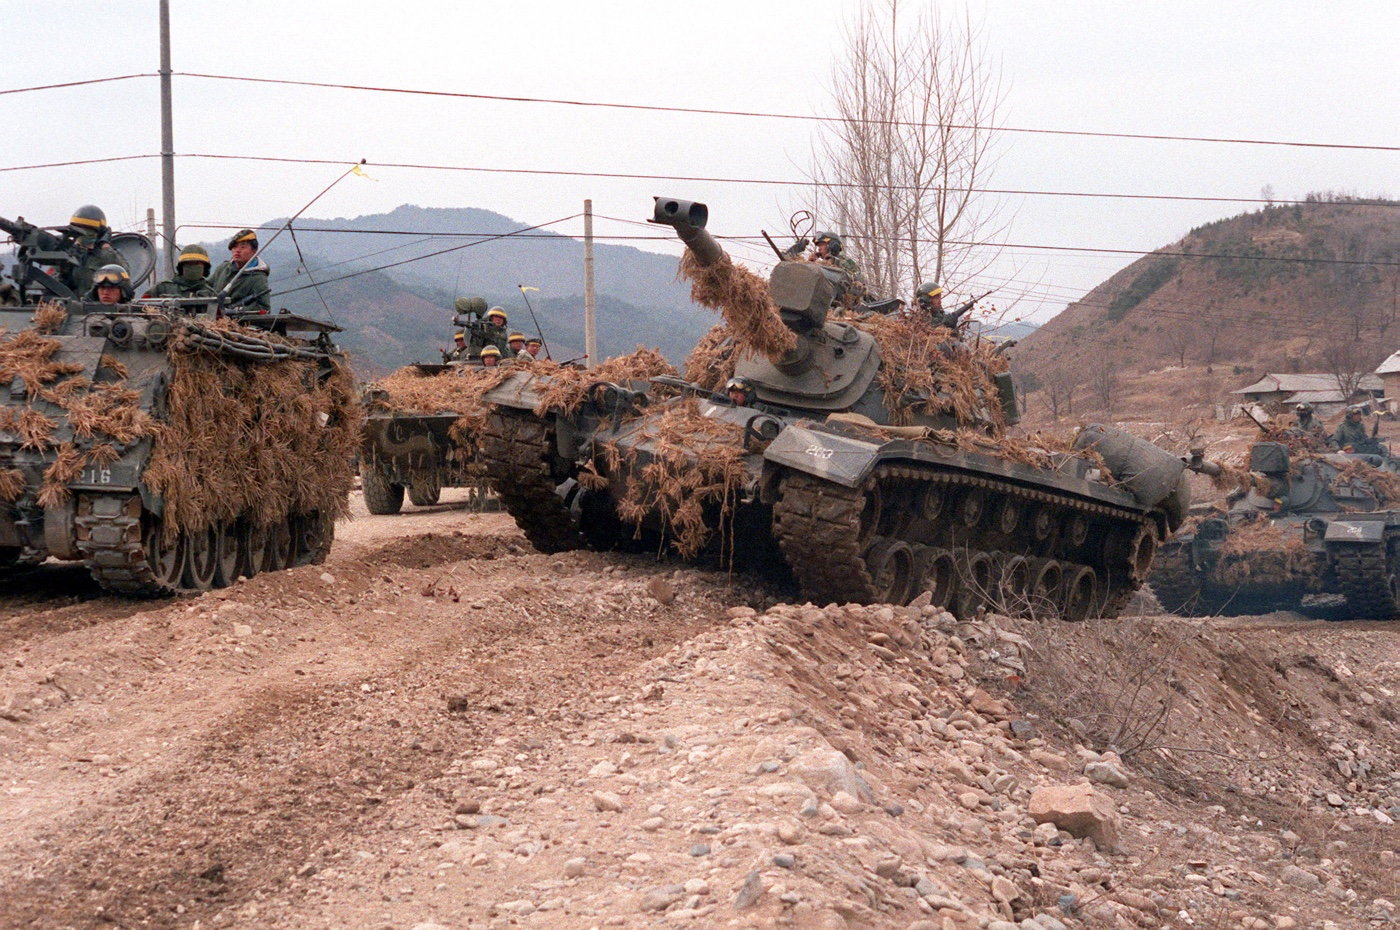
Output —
(820, 452)
(97, 475)
(1351, 529)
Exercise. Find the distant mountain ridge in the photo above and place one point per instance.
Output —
(1306, 287)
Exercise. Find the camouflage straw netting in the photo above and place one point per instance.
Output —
(458, 390)
(743, 299)
(1260, 552)
(256, 439)
(567, 387)
(931, 361)
(237, 437)
(711, 363)
(696, 462)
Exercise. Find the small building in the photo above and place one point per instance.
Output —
(1324, 391)
(1389, 373)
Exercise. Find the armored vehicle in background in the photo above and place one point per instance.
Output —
(867, 490)
(163, 449)
(1303, 524)
(416, 452)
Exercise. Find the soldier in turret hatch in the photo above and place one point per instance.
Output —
(826, 249)
(111, 285)
(1351, 434)
(250, 292)
(92, 242)
(191, 279)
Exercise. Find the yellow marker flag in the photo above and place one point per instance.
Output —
(359, 169)
(524, 287)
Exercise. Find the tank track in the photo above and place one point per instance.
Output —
(516, 449)
(1366, 580)
(818, 525)
(1176, 585)
(110, 539)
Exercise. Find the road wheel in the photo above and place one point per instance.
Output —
(229, 553)
(1079, 594)
(165, 554)
(278, 551)
(937, 573)
(254, 547)
(890, 564)
(202, 562)
(425, 491)
(381, 495)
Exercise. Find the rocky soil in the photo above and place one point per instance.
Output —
(444, 728)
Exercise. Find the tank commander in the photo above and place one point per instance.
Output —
(740, 391)
(92, 248)
(1303, 414)
(490, 356)
(191, 279)
(1351, 434)
(492, 332)
(516, 344)
(533, 345)
(111, 285)
(250, 292)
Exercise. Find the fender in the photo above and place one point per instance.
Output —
(1347, 532)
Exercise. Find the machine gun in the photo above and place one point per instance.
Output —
(470, 314)
(38, 246)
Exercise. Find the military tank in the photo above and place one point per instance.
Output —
(418, 452)
(1301, 522)
(166, 450)
(865, 489)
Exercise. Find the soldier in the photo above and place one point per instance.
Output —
(740, 391)
(1351, 434)
(1304, 415)
(459, 352)
(533, 345)
(191, 279)
(827, 250)
(490, 356)
(516, 343)
(92, 248)
(111, 285)
(250, 292)
(929, 299)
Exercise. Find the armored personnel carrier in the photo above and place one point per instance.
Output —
(166, 450)
(871, 468)
(1300, 523)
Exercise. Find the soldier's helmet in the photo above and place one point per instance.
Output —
(927, 291)
(737, 384)
(87, 220)
(1304, 407)
(497, 314)
(243, 235)
(194, 253)
(534, 341)
(490, 352)
(833, 242)
(1357, 409)
(112, 276)
(460, 336)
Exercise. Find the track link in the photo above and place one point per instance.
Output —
(819, 527)
(1368, 581)
(1177, 587)
(516, 449)
(109, 535)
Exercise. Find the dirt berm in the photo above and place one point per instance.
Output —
(451, 730)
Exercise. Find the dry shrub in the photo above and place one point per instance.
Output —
(49, 317)
(247, 438)
(567, 387)
(744, 301)
(692, 462)
(711, 363)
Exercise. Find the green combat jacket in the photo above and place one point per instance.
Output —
(80, 278)
(179, 287)
(250, 293)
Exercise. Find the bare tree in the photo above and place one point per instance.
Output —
(1059, 393)
(902, 169)
(1103, 380)
(1179, 339)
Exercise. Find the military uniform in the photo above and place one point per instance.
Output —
(1353, 433)
(250, 293)
(95, 255)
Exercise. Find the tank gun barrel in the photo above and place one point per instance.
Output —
(688, 219)
(1198, 463)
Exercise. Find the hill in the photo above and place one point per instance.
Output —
(1308, 287)
(400, 314)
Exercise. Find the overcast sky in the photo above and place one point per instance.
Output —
(1299, 71)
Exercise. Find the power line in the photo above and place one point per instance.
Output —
(706, 111)
(779, 182)
(417, 258)
(106, 80)
(81, 161)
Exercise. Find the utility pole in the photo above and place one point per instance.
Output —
(167, 143)
(590, 307)
(151, 234)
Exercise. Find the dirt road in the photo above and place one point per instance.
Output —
(443, 727)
